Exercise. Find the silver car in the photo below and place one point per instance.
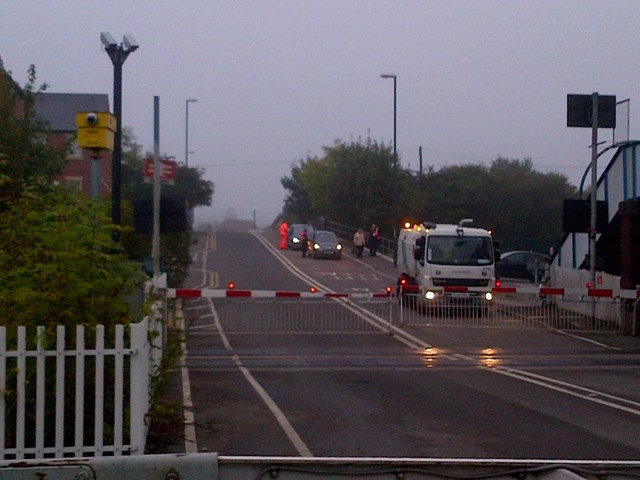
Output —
(325, 244)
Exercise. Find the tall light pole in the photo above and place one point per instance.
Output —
(395, 162)
(118, 53)
(186, 132)
(395, 112)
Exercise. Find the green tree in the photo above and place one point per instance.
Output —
(297, 204)
(28, 159)
(58, 262)
(350, 184)
(190, 186)
(526, 205)
(523, 207)
(353, 184)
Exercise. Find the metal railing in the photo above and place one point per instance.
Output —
(365, 313)
(345, 233)
(355, 313)
(517, 311)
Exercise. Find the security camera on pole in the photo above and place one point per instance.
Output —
(95, 133)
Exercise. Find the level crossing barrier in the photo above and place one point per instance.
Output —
(259, 311)
(586, 310)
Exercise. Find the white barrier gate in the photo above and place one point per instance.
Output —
(547, 308)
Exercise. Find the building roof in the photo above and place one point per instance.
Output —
(59, 109)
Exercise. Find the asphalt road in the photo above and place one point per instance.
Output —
(451, 392)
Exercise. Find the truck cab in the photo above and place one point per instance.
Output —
(441, 261)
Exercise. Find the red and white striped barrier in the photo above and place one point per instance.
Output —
(549, 291)
(574, 292)
(231, 293)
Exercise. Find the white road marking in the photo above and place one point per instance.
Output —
(190, 443)
(409, 340)
(522, 375)
(296, 440)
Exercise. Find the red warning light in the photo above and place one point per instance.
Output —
(498, 283)
(313, 289)
(231, 286)
(589, 285)
(389, 289)
(403, 281)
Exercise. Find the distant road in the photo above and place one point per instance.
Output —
(453, 392)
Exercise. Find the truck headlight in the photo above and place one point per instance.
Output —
(430, 295)
(488, 296)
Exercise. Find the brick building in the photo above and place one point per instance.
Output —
(59, 110)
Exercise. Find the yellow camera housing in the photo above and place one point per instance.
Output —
(96, 130)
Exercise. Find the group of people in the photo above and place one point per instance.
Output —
(360, 240)
(371, 241)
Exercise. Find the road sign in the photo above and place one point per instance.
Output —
(580, 111)
(167, 171)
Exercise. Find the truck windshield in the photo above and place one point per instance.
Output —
(453, 250)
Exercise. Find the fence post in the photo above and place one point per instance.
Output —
(41, 376)
(157, 327)
(140, 377)
(20, 391)
(79, 406)
(118, 388)
(98, 440)
(60, 385)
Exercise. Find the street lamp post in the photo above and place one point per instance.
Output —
(395, 162)
(395, 112)
(186, 132)
(118, 53)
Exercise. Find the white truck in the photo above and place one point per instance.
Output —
(441, 261)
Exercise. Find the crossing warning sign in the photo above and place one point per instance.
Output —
(167, 171)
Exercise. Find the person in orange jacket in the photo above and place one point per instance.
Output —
(284, 232)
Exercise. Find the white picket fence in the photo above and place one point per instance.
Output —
(122, 366)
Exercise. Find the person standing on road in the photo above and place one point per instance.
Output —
(372, 241)
(284, 232)
(304, 242)
(358, 242)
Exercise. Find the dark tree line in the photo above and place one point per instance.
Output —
(356, 184)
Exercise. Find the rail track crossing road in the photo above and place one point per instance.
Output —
(280, 376)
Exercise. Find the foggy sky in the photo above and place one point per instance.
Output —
(278, 80)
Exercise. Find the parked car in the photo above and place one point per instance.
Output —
(325, 244)
(295, 229)
(523, 265)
